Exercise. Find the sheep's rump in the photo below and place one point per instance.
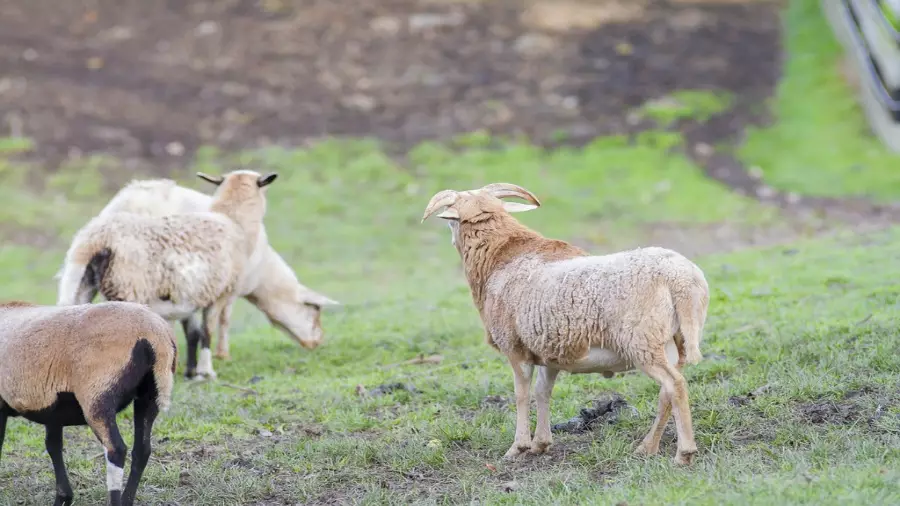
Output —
(84, 350)
(559, 310)
(181, 259)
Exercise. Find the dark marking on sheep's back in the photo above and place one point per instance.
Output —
(96, 271)
(135, 380)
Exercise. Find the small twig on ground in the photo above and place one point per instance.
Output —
(243, 389)
(421, 359)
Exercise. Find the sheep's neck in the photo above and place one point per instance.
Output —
(247, 214)
(490, 244)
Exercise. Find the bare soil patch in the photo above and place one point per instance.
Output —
(149, 82)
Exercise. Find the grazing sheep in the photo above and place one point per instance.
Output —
(81, 365)
(177, 264)
(546, 303)
(268, 283)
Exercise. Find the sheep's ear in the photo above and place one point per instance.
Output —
(449, 214)
(318, 299)
(267, 179)
(216, 180)
(515, 207)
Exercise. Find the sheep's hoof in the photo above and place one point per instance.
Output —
(539, 447)
(645, 451)
(515, 450)
(684, 457)
(204, 376)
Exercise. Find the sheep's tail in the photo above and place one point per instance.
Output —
(166, 351)
(690, 309)
(84, 268)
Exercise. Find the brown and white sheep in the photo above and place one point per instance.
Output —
(177, 264)
(547, 303)
(81, 365)
(269, 283)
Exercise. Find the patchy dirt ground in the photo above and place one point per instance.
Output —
(151, 81)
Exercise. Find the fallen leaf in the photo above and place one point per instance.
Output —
(491, 468)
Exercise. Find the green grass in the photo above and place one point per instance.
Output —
(820, 143)
(347, 218)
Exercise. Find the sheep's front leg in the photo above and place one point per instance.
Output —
(205, 365)
(222, 346)
(193, 333)
(546, 378)
(522, 378)
(54, 444)
(3, 417)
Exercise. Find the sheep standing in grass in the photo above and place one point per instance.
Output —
(268, 282)
(549, 304)
(177, 264)
(81, 365)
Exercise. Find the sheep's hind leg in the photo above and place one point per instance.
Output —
(650, 444)
(54, 444)
(543, 388)
(675, 387)
(145, 412)
(103, 423)
(522, 378)
(222, 346)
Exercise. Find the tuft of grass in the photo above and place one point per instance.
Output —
(820, 142)
(685, 104)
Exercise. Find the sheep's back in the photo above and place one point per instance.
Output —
(559, 309)
(183, 257)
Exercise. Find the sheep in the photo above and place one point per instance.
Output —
(82, 365)
(269, 283)
(549, 304)
(177, 264)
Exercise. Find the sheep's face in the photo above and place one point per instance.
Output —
(297, 314)
(476, 206)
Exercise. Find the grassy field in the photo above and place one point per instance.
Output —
(798, 401)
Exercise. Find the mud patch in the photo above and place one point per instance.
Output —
(829, 412)
(607, 410)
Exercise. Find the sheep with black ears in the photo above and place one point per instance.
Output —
(550, 304)
(268, 283)
(81, 365)
(177, 264)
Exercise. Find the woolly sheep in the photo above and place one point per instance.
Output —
(177, 264)
(268, 283)
(81, 365)
(549, 304)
